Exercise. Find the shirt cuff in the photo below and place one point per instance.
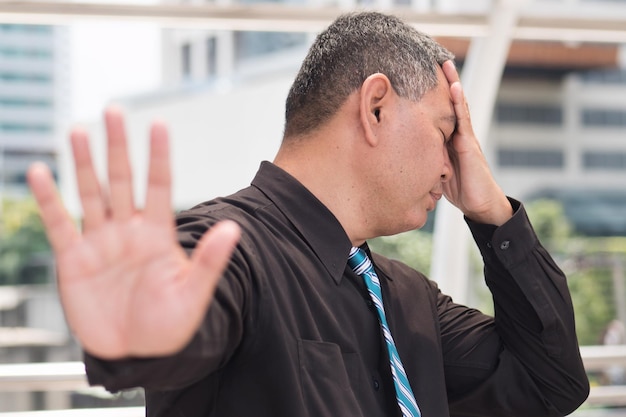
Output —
(508, 244)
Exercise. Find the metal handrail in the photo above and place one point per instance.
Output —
(596, 358)
(613, 395)
(51, 376)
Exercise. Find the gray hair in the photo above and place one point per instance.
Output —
(353, 47)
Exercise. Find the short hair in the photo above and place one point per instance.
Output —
(353, 47)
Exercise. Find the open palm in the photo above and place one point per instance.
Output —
(472, 188)
(126, 286)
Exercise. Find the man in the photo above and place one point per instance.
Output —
(250, 306)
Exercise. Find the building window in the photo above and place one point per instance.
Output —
(595, 160)
(186, 60)
(603, 117)
(26, 28)
(14, 174)
(253, 44)
(530, 158)
(20, 102)
(22, 128)
(211, 54)
(31, 53)
(529, 113)
(613, 76)
(33, 78)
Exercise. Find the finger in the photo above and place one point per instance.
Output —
(120, 176)
(60, 229)
(91, 198)
(461, 109)
(211, 257)
(158, 197)
(449, 69)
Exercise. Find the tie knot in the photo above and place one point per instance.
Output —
(358, 261)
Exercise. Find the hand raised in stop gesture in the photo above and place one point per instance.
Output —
(126, 286)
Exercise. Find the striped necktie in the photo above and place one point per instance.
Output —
(362, 266)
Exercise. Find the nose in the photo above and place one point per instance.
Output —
(448, 169)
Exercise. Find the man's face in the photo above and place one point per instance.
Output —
(415, 158)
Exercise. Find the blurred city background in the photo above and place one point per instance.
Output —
(551, 75)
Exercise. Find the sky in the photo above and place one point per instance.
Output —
(110, 59)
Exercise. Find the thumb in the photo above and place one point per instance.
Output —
(211, 257)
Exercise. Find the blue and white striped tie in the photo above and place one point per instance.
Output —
(361, 264)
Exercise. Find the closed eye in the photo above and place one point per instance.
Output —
(448, 126)
(447, 138)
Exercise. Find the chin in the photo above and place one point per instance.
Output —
(419, 226)
(412, 221)
(414, 225)
(418, 221)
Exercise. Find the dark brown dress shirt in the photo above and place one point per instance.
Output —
(292, 331)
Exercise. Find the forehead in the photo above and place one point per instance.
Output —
(438, 100)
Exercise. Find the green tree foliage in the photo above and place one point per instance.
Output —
(24, 250)
(588, 262)
(414, 248)
(593, 303)
(549, 221)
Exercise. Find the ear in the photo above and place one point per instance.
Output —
(376, 95)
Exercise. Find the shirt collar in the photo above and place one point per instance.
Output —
(317, 224)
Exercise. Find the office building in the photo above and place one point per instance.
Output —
(33, 99)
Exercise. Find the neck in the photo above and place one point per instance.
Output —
(324, 164)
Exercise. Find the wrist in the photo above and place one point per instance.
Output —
(497, 213)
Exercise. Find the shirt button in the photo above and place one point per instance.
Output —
(489, 245)
(505, 245)
(370, 303)
(376, 384)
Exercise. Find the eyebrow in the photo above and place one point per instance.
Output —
(449, 118)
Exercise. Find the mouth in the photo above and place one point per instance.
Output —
(436, 197)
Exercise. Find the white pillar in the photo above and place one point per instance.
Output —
(572, 125)
(480, 77)
(225, 49)
(225, 45)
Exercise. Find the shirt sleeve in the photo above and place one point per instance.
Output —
(527, 361)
